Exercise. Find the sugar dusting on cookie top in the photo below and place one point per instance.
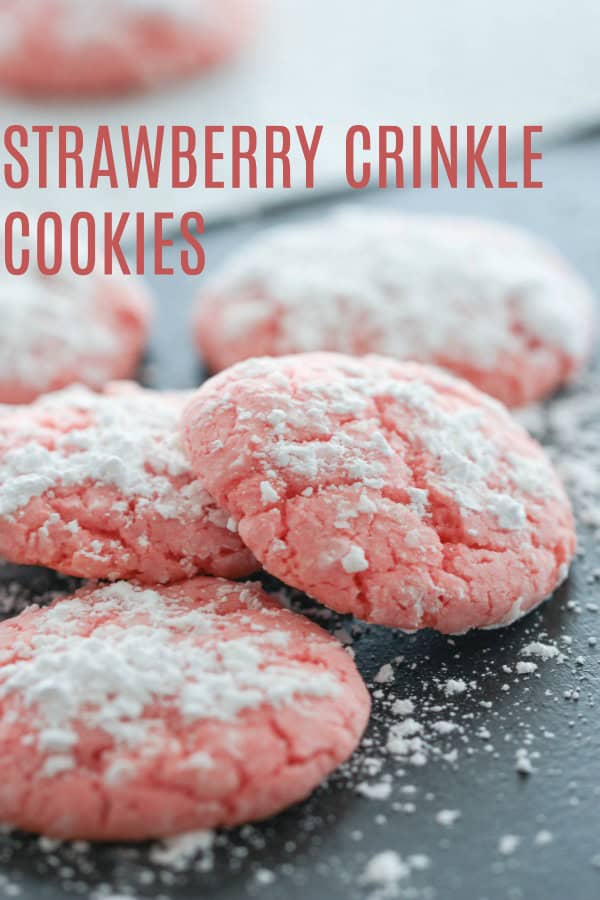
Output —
(488, 302)
(97, 486)
(413, 287)
(353, 421)
(118, 658)
(50, 324)
(126, 438)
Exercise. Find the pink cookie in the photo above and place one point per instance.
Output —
(59, 330)
(96, 485)
(53, 47)
(128, 714)
(388, 490)
(488, 302)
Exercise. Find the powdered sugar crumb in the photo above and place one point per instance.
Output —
(525, 668)
(447, 817)
(176, 852)
(385, 869)
(381, 790)
(385, 675)
(455, 686)
(508, 844)
(541, 651)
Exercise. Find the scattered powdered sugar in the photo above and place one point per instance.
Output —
(385, 869)
(176, 852)
(385, 872)
(508, 843)
(385, 674)
(405, 740)
(455, 686)
(413, 287)
(449, 728)
(569, 428)
(93, 661)
(541, 651)
(126, 438)
(525, 668)
(523, 763)
(381, 790)
(265, 876)
(544, 837)
(447, 817)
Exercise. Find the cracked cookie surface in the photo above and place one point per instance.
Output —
(389, 490)
(97, 486)
(488, 302)
(129, 713)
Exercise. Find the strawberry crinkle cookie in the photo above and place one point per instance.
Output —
(388, 490)
(489, 302)
(97, 486)
(130, 713)
(62, 329)
(71, 47)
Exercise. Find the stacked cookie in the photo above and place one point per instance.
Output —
(165, 696)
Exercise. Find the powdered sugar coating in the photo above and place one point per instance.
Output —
(404, 495)
(488, 302)
(69, 46)
(59, 330)
(96, 485)
(128, 713)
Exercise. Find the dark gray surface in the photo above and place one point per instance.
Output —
(319, 850)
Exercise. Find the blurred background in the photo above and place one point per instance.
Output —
(339, 62)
